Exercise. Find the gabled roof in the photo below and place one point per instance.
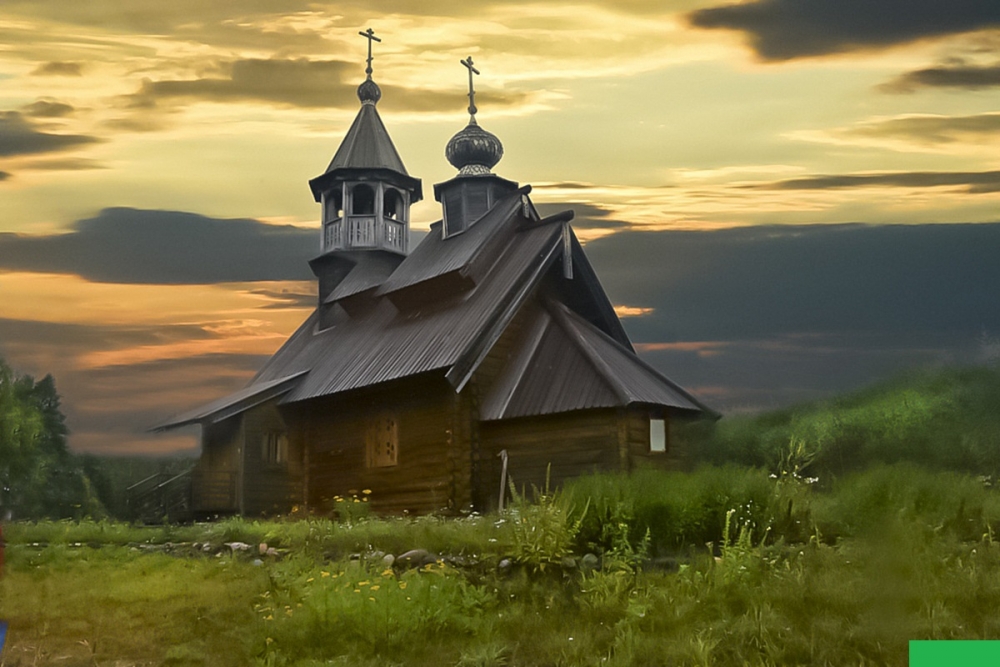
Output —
(566, 363)
(577, 344)
(388, 342)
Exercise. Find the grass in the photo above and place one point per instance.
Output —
(890, 554)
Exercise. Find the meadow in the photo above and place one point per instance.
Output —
(789, 554)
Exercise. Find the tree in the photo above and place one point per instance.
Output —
(39, 476)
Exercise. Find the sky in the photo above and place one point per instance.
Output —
(784, 199)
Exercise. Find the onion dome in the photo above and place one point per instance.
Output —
(474, 150)
(369, 92)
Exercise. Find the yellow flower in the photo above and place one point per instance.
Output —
(364, 583)
(269, 617)
(375, 587)
(402, 587)
(269, 641)
(288, 612)
(372, 599)
(367, 492)
(325, 574)
(387, 572)
(357, 590)
(310, 580)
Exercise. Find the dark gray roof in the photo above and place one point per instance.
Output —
(566, 363)
(576, 356)
(367, 145)
(372, 269)
(226, 407)
(387, 342)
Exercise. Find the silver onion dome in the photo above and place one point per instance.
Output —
(474, 150)
(369, 92)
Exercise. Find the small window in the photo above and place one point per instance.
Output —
(275, 447)
(657, 435)
(362, 200)
(383, 442)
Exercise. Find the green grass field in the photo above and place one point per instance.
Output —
(802, 560)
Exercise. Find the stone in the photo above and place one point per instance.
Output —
(416, 558)
(388, 560)
(590, 562)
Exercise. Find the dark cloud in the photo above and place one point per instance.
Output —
(587, 216)
(932, 129)
(974, 182)
(65, 164)
(302, 83)
(288, 299)
(787, 29)
(124, 245)
(764, 282)
(19, 136)
(966, 77)
(4, 175)
(58, 68)
(47, 108)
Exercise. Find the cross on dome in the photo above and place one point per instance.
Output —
(370, 36)
(472, 91)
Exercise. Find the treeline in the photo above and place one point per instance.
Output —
(40, 478)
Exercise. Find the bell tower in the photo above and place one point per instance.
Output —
(366, 192)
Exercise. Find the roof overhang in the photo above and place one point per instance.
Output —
(231, 405)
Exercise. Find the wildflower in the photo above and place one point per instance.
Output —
(269, 617)
(402, 587)
(364, 583)
(269, 641)
(324, 574)
(375, 587)
(372, 599)
(367, 492)
(310, 580)
(357, 590)
(387, 572)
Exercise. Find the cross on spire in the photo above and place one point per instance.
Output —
(472, 91)
(369, 35)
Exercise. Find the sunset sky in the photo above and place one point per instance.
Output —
(784, 198)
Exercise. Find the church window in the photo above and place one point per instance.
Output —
(275, 447)
(657, 435)
(363, 200)
(383, 442)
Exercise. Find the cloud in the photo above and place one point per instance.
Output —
(58, 68)
(4, 175)
(973, 182)
(300, 82)
(763, 282)
(966, 77)
(930, 129)
(64, 164)
(21, 137)
(781, 30)
(48, 108)
(125, 245)
(586, 216)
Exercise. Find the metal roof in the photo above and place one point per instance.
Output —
(372, 269)
(574, 357)
(367, 145)
(226, 407)
(566, 363)
(385, 342)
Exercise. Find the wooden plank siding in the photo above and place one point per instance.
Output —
(568, 444)
(636, 427)
(268, 487)
(214, 478)
(428, 472)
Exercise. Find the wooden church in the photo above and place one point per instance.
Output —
(426, 375)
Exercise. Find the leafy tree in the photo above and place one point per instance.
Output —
(39, 476)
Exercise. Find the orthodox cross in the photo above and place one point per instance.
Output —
(472, 91)
(369, 35)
